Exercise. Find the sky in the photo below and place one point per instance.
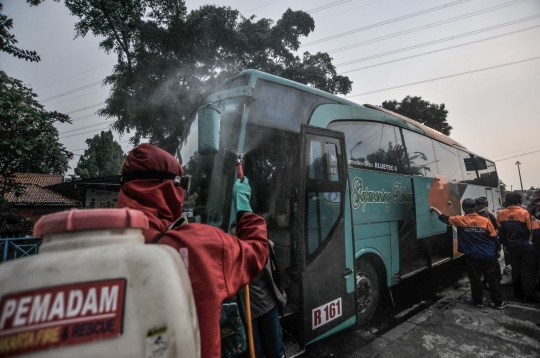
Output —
(481, 58)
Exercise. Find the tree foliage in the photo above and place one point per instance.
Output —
(8, 40)
(503, 188)
(103, 157)
(28, 138)
(431, 114)
(169, 59)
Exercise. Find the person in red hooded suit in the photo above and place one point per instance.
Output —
(218, 264)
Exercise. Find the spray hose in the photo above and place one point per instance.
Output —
(240, 173)
(239, 167)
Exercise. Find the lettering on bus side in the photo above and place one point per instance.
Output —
(48, 317)
(362, 196)
(326, 313)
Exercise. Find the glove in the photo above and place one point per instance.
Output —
(241, 197)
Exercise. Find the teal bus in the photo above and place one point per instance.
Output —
(345, 190)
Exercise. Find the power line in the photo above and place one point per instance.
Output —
(82, 109)
(84, 117)
(424, 27)
(515, 156)
(322, 7)
(515, 151)
(384, 22)
(426, 53)
(82, 95)
(349, 10)
(449, 38)
(78, 129)
(72, 91)
(72, 135)
(80, 73)
(449, 76)
(76, 150)
(270, 3)
(327, 6)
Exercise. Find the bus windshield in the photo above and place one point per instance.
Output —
(211, 175)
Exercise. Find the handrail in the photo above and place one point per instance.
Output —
(16, 247)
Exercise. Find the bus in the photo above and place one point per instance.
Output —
(345, 190)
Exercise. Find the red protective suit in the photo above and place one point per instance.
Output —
(218, 264)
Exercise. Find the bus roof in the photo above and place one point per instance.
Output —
(255, 75)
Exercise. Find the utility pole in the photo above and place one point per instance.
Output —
(519, 171)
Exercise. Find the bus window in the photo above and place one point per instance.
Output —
(316, 168)
(283, 107)
(470, 173)
(324, 201)
(490, 176)
(331, 159)
(478, 170)
(448, 163)
(371, 145)
(420, 154)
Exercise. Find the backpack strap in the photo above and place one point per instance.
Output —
(178, 222)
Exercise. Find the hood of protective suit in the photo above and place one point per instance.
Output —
(160, 200)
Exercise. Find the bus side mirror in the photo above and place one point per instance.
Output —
(209, 117)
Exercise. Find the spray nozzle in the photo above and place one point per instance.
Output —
(239, 168)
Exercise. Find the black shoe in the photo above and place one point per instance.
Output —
(481, 305)
(500, 306)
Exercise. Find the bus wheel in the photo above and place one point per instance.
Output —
(367, 292)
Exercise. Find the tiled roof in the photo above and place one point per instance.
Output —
(39, 179)
(38, 195)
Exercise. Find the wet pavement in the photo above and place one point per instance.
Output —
(445, 325)
(453, 327)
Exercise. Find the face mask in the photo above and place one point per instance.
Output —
(480, 211)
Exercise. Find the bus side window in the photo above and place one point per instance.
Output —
(420, 154)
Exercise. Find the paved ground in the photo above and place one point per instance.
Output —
(453, 327)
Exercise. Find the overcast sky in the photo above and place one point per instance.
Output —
(481, 58)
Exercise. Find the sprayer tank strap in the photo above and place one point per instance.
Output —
(178, 222)
(182, 181)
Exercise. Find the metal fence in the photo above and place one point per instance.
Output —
(16, 247)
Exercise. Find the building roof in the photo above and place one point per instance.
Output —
(39, 179)
(77, 189)
(38, 195)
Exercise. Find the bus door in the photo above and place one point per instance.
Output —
(326, 302)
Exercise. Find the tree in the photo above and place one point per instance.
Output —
(8, 40)
(28, 143)
(431, 114)
(103, 157)
(29, 140)
(503, 188)
(169, 59)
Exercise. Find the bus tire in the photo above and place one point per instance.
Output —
(367, 292)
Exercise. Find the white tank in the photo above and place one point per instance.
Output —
(96, 290)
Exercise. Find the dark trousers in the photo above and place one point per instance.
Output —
(524, 270)
(475, 269)
(268, 336)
